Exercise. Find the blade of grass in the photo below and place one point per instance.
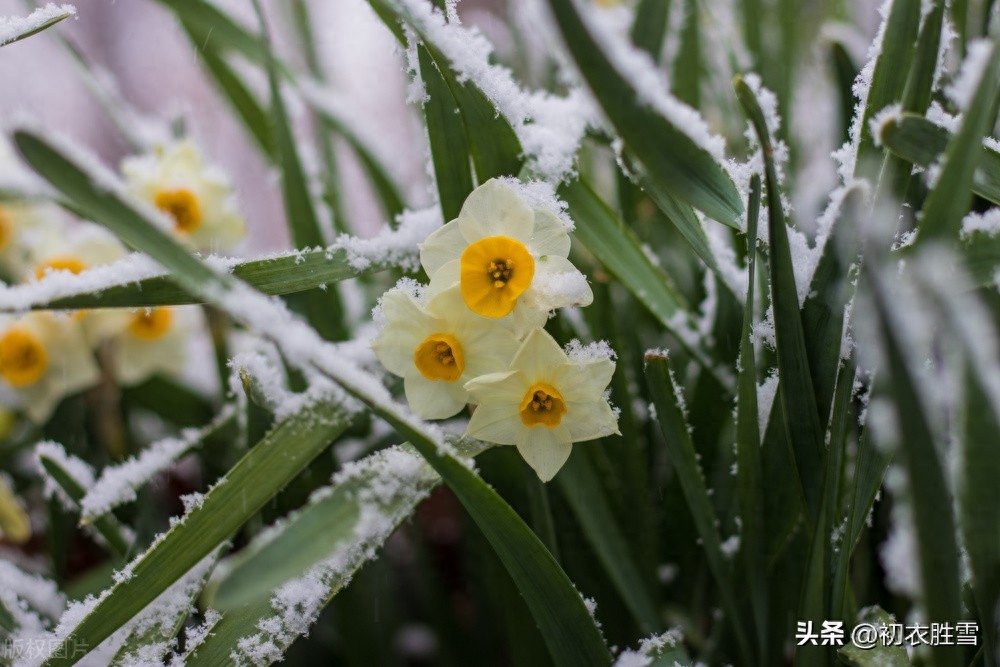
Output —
(107, 526)
(286, 274)
(449, 144)
(918, 140)
(582, 490)
(932, 502)
(670, 416)
(892, 66)
(251, 483)
(949, 198)
(39, 20)
(669, 155)
(748, 459)
(796, 392)
(322, 308)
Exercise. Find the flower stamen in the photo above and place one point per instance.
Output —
(440, 357)
(181, 205)
(490, 282)
(23, 359)
(542, 404)
(151, 324)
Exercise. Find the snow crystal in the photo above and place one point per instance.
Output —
(397, 247)
(577, 351)
(117, 484)
(964, 86)
(12, 27)
(766, 391)
(984, 223)
(649, 649)
(730, 546)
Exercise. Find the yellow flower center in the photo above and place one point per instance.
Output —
(181, 205)
(6, 229)
(151, 324)
(60, 263)
(440, 357)
(23, 358)
(496, 270)
(543, 404)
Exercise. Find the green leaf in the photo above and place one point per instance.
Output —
(152, 639)
(36, 22)
(246, 105)
(684, 219)
(383, 489)
(245, 489)
(683, 458)
(918, 140)
(323, 309)
(496, 150)
(749, 475)
(979, 513)
(795, 390)
(650, 26)
(285, 274)
(949, 199)
(891, 68)
(107, 526)
(449, 145)
(879, 655)
(615, 245)
(931, 501)
(582, 489)
(670, 157)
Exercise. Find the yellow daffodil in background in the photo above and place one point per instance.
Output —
(14, 523)
(44, 357)
(437, 347)
(543, 403)
(70, 250)
(198, 198)
(154, 340)
(506, 257)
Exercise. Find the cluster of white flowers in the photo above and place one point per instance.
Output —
(474, 335)
(46, 356)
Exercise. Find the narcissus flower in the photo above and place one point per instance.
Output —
(14, 522)
(44, 357)
(154, 340)
(198, 198)
(437, 347)
(543, 403)
(506, 257)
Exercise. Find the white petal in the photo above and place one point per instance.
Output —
(582, 381)
(431, 399)
(545, 449)
(494, 388)
(498, 422)
(138, 360)
(407, 325)
(493, 209)
(525, 318)
(539, 357)
(445, 278)
(590, 420)
(441, 246)
(488, 348)
(557, 284)
(39, 400)
(550, 237)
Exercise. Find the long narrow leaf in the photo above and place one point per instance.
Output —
(670, 156)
